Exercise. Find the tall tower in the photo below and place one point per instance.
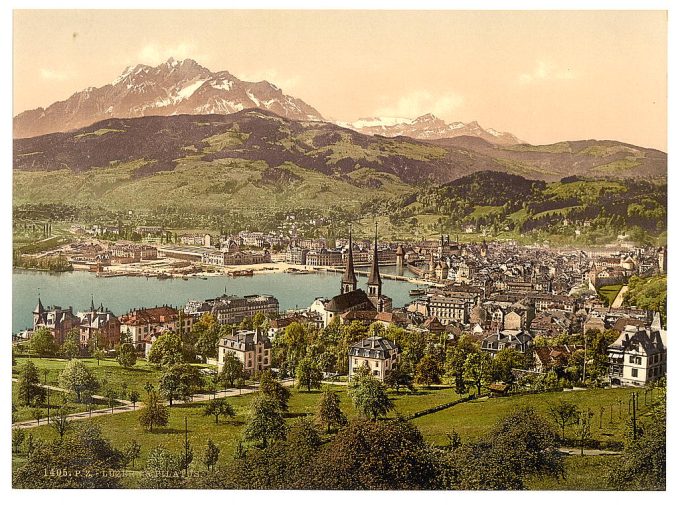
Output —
(38, 313)
(400, 257)
(374, 280)
(349, 279)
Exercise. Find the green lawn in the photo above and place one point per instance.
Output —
(471, 420)
(108, 370)
(475, 418)
(56, 400)
(583, 473)
(609, 292)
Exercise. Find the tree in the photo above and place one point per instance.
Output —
(563, 413)
(294, 341)
(476, 370)
(372, 456)
(308, 374)
(396, 378)
(206, 330)
(642, 466)
(71, 346)
(37, 414)
(179, 382)
(60, 421)
(98, 354)
(520, 445)
(84, 457)
(232, 370)
(328, 410)
(131, 451)
(162, 469)
(455, 361)
(212, 453)
(18, 436)
(166, 350)
(274, 390)
(127, 356)
(583, 426)
(134, 398)
(78, 379)
(265, 421)
(428, 371)
(42, 342)
(29, 391)
(153, 412)
(369, 397)
(503, 363)
(218, 407)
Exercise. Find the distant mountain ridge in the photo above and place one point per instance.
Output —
(429, 127)
(171, 88)
(263, 136)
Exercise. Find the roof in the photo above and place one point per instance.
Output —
(348, 301)
(153, 315)
(373, 347)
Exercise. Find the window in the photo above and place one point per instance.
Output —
(631, 359)
(634, 372)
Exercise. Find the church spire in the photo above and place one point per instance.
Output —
(349, 279)
(374, 281)
(92, 309)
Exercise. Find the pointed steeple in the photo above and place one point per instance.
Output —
(374, 274)
(39, 309)
(349, 279)
(92, 309)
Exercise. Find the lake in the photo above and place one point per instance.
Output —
(121, 294)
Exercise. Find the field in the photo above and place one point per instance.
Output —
(471, 420)
(108, 370)
(609, 293)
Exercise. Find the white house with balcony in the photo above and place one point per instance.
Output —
(638, 356)
(378, 354)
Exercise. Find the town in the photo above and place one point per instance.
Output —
(485, 320)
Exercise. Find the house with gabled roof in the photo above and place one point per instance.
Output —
(638, 356)
(378, 354)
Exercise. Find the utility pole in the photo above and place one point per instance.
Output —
(634, 416)
(48, 396)
(585, 352)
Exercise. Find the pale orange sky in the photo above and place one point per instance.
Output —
(543, 75)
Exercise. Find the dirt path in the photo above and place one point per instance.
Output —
(127, 406)
(618, 301)
(572, 451)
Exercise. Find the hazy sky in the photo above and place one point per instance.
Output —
(544, 76)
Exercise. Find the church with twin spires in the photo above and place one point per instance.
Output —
(352, 298)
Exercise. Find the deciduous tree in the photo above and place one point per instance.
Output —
(232, 370)
(328, 411)
(179, 382)
(265, 422)
(211, 455)
(29, 391)
(153, 413)
(218, 407)
(42, 342)
(78, 379)
(369, 397)
(308, 374)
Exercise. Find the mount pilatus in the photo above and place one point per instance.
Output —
(429, 127)
(173, 87)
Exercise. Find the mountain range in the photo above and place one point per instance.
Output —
(173, 87)
(166, 142)
(185, 87)
(429, 127)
